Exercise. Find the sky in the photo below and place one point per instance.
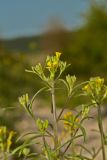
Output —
(30, 17)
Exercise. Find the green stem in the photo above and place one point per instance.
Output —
(69, 143)
(101, 131)
(54, 117)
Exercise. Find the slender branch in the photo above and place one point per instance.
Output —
(71, 139)
(69, 143)
(60, 114)
(45, 144)
(95, 155)
(68, 99)
(101, 131)
(49, 134)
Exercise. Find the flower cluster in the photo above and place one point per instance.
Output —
(24, 100)
(70, 81)
(42, 125)
(5, 139)
(70, 122)
(53, 64)
(96, 90)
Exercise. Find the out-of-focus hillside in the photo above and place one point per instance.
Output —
(22, 44)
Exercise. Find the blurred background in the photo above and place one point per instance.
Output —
(31, 30)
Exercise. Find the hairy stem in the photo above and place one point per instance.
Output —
(54, 117)
(101, 131)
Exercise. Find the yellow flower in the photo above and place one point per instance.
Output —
(58, 54)
(67, 115)
(49, 64)
(9, 139)
(55, 64)
(99, 80)
(70, 122)
(85, 88)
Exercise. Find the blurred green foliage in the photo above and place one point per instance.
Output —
(13, 79)
(87, 50)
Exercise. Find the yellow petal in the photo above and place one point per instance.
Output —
(58, 54)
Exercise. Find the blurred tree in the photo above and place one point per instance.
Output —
(88, 49)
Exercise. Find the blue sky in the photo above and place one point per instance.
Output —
(28, 17)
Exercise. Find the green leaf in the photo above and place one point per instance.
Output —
(21, 147)
(83, 131)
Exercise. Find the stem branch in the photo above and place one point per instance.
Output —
(101, 131)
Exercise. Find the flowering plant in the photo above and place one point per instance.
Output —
(64, 144)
